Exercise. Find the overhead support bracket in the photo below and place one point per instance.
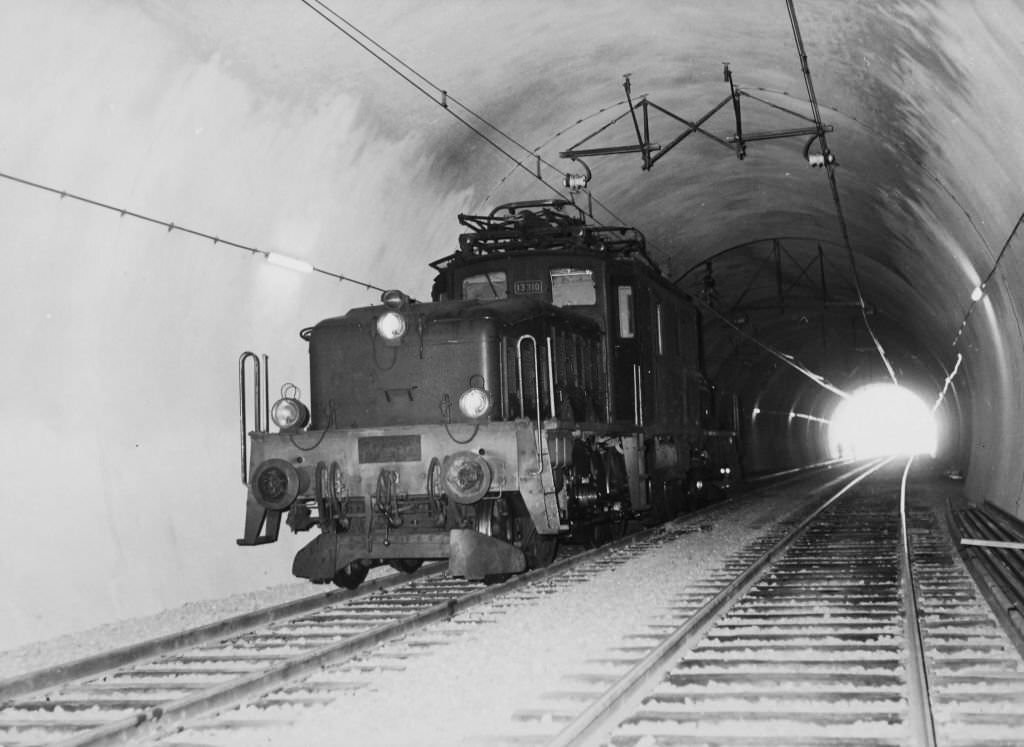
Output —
(734, 96)
(777, 134)
(639, 112)
(650, 152)
(740, 140)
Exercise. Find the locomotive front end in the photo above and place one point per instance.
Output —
(409, 453)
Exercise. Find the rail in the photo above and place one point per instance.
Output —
(173, 713)
(589, 723)
(91, 666)
(917, 670)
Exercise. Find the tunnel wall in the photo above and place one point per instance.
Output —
(121, 441)
(972, 171)
(994, 375)
(781, 429)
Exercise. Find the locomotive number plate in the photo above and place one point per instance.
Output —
(527, 287)
(377, 449)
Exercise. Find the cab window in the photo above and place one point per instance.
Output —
(659, 319)
(572, 286)
(625, 298)
(485, 287)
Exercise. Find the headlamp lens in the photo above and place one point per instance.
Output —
(391, 325)
(289, 414)
(474, 402)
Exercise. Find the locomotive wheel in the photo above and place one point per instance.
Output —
(603, 532)
(493, 520)
(600, 532)
(405, 565)
(538, 548)
(584, 534)
(618, 528)
(351, 575)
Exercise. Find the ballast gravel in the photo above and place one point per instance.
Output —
(445, 694)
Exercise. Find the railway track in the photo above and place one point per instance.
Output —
(129, 694)
(814, 644)
(160, 687)
(810, 648)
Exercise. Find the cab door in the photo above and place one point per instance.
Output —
(629, 375)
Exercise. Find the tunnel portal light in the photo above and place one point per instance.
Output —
(882, 420)
(290, 263)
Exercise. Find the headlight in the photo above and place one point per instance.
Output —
(391, 326)
(474, 402)
(289, 414)
(725, 470)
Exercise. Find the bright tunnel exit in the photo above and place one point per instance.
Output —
(882, 420)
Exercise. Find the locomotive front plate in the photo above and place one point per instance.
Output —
(383, 449)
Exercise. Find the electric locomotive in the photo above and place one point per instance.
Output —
(552, 387)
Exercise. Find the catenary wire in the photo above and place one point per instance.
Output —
(338, 21)
(326, 12)
(171, 226)
(446, 97)
(830, 171)
(984, 283)
(948, 382)
(882, 137)
(787, 359)
(547, 142)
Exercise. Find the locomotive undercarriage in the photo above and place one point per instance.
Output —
(370, 512)
(492, 511)
(493, 537)
(597, 491)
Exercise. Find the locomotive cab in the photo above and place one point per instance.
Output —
(651, 351)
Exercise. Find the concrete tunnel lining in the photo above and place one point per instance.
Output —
(260, 123)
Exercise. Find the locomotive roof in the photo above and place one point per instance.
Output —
(507, 311)
(541, 226)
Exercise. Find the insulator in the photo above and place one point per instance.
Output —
(575, 182)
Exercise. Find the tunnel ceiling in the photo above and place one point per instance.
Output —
(762, 241)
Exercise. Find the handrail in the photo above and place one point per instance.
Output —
(638, 395)
(536, 382)
(261, 403)
(551, 378)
